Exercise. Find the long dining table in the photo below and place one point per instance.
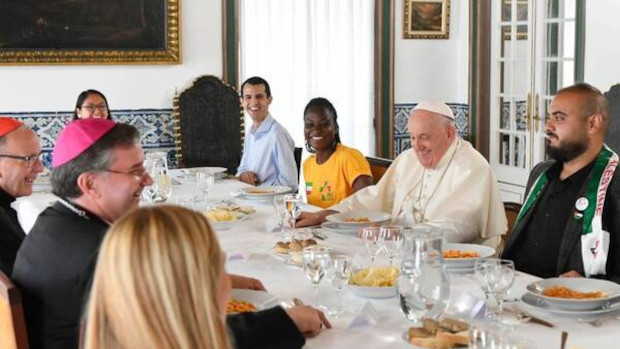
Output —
(249, 247)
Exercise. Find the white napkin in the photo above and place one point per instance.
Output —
(366, 318)
(272, 225)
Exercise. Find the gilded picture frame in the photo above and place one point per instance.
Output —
(426, 19)
(59, 32)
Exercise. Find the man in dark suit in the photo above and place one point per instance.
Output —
(19, 165)
(569, 225)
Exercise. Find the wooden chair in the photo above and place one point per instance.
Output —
(13, 333)
(512, 211)
(378, 167)
(209, 125)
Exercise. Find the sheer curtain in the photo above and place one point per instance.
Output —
(314, 48)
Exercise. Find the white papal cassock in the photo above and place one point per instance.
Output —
(460, 195)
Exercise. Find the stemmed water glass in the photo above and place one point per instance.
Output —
(294, 204)
(372, 241)
(340, 273)
(393, 240)
(496, 277)
(316, 265)
(205, 181)
(279, 203)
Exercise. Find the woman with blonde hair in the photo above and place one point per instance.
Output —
(160, 283)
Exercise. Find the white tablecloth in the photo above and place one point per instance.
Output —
(249, 248)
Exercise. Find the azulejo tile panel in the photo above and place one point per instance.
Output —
(154, 125)
(402, 141)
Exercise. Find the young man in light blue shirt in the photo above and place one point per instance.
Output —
(268, 154)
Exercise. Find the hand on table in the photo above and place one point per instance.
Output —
(309, 321)
(571, 274)
(243, 282)
(249, 177)
(307, 219)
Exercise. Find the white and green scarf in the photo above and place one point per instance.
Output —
(588, 208)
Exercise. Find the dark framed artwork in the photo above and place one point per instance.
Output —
(90, 32)
(426, 19)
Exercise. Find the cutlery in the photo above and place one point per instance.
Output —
(564, 338)
(525, 317)
(598, 322)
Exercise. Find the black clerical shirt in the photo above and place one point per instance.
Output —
(541, 239)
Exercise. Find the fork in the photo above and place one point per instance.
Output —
(598, 322)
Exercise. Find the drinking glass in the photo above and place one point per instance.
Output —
(485, 334)
(372, 241)
(340, 273)
(423, 286)
(157, 167)
(393, 239)
(316, 265)
(279, 203)
(186, 202)
(294, 204)
(496, 277)
(205, 181)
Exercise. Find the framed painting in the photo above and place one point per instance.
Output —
(90, 32)
(427, 19)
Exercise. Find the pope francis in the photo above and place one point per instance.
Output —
(442, 181)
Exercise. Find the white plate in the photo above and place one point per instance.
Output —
(261, 299)
(611, 289)
(373, 292)
(462, 263)
(222, 225)
(189, 174)
(459, 270)
(532, 304)
(262, 193)
(374, 218)
(335, 228)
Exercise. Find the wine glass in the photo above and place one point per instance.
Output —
(496, 277)
(392, 238)
(294, 204)
(372, 241)
(279, 203)
(316, 265)
(423, 287)
(156, 166)
(340, 273)
(205, 181)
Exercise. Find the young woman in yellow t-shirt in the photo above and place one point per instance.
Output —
(334, 171)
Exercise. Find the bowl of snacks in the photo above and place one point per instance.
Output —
(375, 282)
(221, 219)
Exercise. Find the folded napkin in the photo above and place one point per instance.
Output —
(366, 318)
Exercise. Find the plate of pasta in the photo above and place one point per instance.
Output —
(375, 282)
(575, 294)
(242, 301)
(352, 220)
(464, 256)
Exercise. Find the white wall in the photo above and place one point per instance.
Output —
(432, 68)
(602, 56)
(55, 88)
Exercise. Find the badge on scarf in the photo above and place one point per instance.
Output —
(577, 215)
(581, 204)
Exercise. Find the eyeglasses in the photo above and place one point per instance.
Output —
(137, 174)
(92, 108)
(30, 159)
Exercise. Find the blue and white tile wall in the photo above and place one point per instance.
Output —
(154, 125)
(402, 141)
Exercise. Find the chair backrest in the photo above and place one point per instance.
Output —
(512, 211)
(13, 333)
(612, 137)
(378, 167)
(209, 126)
